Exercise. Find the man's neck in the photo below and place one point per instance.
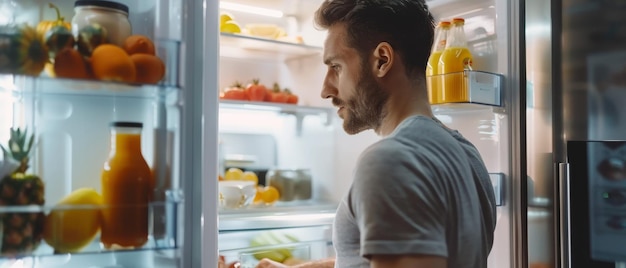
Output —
(405, 101)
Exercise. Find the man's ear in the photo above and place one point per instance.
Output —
(383, 59)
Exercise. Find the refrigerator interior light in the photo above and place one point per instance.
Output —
(251, 9)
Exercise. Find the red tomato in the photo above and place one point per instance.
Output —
(256, 91)
(279, 97)
(268, 95)
(235, 94)
(293, 99)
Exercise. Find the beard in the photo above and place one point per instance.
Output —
(366, 109)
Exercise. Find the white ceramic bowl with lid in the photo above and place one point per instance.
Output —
(236, 194)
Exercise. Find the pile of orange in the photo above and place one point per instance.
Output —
(266, 195)
(134, 62)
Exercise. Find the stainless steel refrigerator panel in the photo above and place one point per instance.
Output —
(593, 51)
(539, 98)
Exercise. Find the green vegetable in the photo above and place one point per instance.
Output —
(89, 37)
(269, 239)
(58, 38)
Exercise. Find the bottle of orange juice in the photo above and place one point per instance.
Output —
(432, 69)
(126, 187)
(455, 59)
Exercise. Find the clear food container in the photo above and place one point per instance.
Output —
(292, 184)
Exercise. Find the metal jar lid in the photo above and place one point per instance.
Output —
(102, 3)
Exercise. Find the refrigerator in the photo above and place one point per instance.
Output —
(263, 137)
(69, 120)
(574, 69)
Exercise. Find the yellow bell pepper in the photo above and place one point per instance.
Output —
(46, 25)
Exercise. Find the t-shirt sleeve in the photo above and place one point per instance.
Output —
(397, 203)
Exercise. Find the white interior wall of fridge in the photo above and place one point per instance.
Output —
(489, 131)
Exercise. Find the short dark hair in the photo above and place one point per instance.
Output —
(405, 24)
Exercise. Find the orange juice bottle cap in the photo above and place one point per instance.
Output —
(457, 20)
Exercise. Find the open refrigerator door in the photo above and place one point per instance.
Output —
(300, 150)
(96, 97)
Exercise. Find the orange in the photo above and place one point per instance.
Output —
(112, 63)
(250, 176)
(258, 197)
(69, 63)
(139, 44)
(149, 68)
(270, 194)
(233, 174)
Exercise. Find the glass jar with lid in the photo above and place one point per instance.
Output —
(112, 16)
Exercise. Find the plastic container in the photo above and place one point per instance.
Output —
(292, 184)
(110, 15)
(286, 254)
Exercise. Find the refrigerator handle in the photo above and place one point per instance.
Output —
(564, 195)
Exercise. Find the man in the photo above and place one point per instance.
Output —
(421, 196)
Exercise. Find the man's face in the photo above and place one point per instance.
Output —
(350, 84)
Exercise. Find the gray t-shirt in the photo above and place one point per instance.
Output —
(424, 189)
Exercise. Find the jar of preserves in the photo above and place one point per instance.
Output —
(111, 16)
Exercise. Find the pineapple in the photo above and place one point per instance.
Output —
(21, 231)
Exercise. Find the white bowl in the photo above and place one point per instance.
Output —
(236, 194)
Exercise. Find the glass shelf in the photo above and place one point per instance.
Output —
(247, 47)
(299, 111)
(162, 233)
(464, 107)
(282, 215)
(19, 85)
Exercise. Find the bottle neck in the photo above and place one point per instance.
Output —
(126, 140)
(441, 39)
(457, 36)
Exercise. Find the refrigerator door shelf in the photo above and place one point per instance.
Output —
(114, 259)
(476, 87)
(41, 86)
(64, 231)
(497, 180)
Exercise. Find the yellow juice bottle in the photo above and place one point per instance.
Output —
(455, 59)
(432, 68)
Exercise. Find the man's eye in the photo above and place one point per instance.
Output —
(335, 67)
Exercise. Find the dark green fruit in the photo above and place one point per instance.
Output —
(57, 39)
(90, 37)
(21, 51)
